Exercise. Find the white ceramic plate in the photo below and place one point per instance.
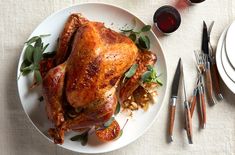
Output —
(229, 83)
(226, 64)
(114, 18)
(230, 45)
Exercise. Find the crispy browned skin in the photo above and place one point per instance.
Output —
(144, 59)
(89, 77)
(46, 65)
(71, 26)
(53, 84)
(101, 56)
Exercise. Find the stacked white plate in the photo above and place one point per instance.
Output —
(225, 57)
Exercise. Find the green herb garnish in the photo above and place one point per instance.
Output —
(118, 108)
(35, 38)
(130, 72)
(125, 31)
(143, 42)
(83, 138)
(133, 37)
(146, 28)
(33, 54)
(29, 53)
(109, 122)
(150, 76)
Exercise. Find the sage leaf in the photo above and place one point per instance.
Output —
(37, 55)
(148, 41)
(133, 37)
(38, 43)
(24, 64)
(146, 28)
(37, 76)
(126, 31)
(145, 76)
(32, 40)
(159, 82)
(44, 48)
(144, 42)
(131, 71)
(118, 108)
(27, 70)
(83, 138)
(42, 45)
(33, 56)
(150, 67)
(29, 53)
(44, 35)
(36, 66)
(109, 122)
(76, 138)
(150, 76)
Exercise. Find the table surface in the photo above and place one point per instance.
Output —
(18, 18)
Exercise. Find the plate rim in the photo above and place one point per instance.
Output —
(226, 45)
(219, 61)
(226, 65)
(166, 75)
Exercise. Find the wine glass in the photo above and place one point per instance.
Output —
(167, 19)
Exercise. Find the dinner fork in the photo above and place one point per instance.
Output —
(201, 60)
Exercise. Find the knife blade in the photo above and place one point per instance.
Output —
(205, 39)
(175, 84)
(174, 95)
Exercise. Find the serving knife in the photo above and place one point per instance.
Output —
(205, 49)
(174, 95)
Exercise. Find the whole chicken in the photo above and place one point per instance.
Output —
(84, 75)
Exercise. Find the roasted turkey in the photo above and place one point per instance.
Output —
(84, 75)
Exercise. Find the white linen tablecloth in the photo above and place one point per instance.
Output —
(18, 18)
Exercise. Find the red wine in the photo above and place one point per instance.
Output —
(167, 19)
(196, 1)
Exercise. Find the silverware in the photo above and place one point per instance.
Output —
(205, 49)
(214, 70)
(174, 95)
(201, 60)
(193, 101)
(188, 118)
(202, 104)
